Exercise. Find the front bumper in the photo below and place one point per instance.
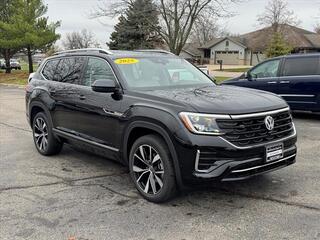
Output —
(223, 161)
(230, 170)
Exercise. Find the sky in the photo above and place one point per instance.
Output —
(74, 16)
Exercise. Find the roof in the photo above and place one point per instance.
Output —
(296, 37)
(117, 53)
(215, 41)
(192, 49)
(258, 40)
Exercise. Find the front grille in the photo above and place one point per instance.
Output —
(250, 131)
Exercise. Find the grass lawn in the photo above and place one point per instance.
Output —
(220, 79)
(236, 70)
(19, 77)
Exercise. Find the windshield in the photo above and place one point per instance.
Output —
(158, 73)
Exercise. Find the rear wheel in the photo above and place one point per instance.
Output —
(151, 169)
(43, 137)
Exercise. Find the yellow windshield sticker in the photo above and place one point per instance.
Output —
(126, 61)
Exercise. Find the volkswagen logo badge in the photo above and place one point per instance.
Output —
(269, 122)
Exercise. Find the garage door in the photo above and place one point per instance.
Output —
(228, 57)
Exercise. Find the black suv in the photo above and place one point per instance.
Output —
(159, 115)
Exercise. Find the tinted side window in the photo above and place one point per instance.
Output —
(267, 69)
(50, 69)
(69, 70)
(97, 69)
(301, 66)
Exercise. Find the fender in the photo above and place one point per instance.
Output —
(162, 132)
(45, 108)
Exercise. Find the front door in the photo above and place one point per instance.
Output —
(263, 77)
(100, 112)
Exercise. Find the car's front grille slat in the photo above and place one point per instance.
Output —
(250, 131)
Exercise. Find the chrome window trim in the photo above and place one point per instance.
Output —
(85, 140)
(86, 56)
(264, 165)
(299, 76)
(296, 95)
(260, 113)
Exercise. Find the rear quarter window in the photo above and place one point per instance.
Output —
(301, 66)
(49, 70)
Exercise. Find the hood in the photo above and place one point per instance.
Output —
(223, 99)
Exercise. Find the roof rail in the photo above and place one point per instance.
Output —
(99, 50)
(154, 51)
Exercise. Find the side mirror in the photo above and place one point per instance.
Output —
(247, 75)
(106, 86)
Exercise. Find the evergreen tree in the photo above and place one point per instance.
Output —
(37, 33)
(10, 38)
(277, 46)
(138, 29)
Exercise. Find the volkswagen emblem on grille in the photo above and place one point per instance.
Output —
(269, 122)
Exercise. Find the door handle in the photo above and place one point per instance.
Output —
(82, 97)
(272, 82)
(284, 81)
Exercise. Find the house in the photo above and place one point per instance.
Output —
(191, 52)
(247, 49)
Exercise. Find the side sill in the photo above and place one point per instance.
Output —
(69, 135)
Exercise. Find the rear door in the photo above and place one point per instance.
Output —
(263, 77)
(65, 91)
(299, 83)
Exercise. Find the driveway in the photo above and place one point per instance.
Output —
(75, 195)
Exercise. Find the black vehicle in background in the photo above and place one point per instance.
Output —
(159, 115)
(296, 78)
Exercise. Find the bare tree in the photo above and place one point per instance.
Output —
(317, 28)
(176, 17)
(205, 28)
(276, 14)
(82, 39)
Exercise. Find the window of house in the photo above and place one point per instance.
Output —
(227, 43)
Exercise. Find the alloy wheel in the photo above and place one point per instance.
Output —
(148, 169)
(41, 134)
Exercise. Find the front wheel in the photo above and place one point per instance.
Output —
(43, 137)
(151, 169)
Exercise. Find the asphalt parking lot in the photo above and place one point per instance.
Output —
(80, 196)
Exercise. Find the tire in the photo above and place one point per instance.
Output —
(154, 181)
(43, 137)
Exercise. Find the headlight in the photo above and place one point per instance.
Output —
(202, 123)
